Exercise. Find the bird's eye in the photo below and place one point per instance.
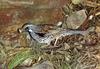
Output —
(26, 29)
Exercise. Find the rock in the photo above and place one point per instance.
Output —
(75, 20)
(43, 65)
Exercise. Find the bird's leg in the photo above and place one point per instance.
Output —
(56, 41)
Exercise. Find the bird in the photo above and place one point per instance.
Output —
(35, 33)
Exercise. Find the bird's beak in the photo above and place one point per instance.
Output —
(21, 30)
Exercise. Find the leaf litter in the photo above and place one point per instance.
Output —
(72, 51)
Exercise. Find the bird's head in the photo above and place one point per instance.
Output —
(28, 27)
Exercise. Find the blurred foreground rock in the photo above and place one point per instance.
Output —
(43, 65)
